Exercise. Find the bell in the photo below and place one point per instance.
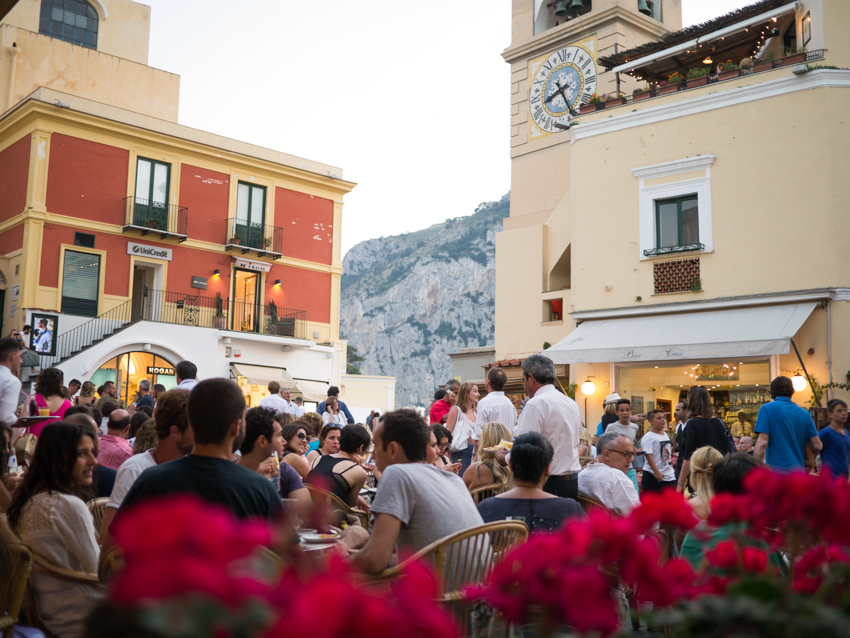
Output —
(644, 8)
(561, 8)
(577, 6)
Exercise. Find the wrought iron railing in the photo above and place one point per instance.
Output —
(268, 320)
(154, 217)
(252, 236)
(86, 335)
(669, 250)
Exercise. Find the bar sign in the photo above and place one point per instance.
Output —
(199, 282)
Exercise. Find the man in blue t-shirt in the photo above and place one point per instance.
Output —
(784, 429)
(835, 456)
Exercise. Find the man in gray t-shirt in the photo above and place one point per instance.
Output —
(416, 504)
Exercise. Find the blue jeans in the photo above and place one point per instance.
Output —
(465, 458)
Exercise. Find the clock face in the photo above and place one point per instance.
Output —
(563, 81)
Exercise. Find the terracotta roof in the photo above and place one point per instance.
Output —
(692, 32)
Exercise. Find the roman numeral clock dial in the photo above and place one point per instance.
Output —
(560, 83)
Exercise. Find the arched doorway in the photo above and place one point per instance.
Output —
(127, 369)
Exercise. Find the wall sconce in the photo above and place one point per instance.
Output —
(217, 273)
(799, 382)
(588, 387)
(277, 283)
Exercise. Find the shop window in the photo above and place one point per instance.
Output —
(73, 21)
(80, 283)
(128, 369)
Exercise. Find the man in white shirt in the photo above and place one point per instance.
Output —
(299, 409)
(495, 406)
(174, 440)
(11, 351)
(274, 401)
(606, 480)
(187, 375)
(555, 416)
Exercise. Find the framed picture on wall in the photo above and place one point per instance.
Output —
(44, 333)
(807, 28)
(637, 404)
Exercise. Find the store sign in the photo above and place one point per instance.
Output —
(259, 266)
(156, 370)
(199, 282)
(148, 251)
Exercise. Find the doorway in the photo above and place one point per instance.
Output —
(145, 291)
(246, 300)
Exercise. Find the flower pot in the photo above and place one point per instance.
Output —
(700, 81)
(617, 101)
(729, 75)
(219, 322)
(590, 108)
(758, 67)
(234, 240)
(670, 88)
(796, 58)
(643, 95)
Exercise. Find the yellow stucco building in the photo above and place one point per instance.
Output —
(688, 233)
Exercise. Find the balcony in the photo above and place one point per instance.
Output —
(250, 237)
(165, 220)
(224, 314)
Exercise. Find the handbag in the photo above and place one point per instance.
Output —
(25, 447)
(461, 434)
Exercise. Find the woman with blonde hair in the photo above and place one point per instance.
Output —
(702, 466)
(86, 395)
(460, 421)
(486, 470)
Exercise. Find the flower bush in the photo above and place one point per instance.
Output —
(193, 570)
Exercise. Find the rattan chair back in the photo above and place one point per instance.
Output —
(97, 506)
(324, 498)
(13, 585)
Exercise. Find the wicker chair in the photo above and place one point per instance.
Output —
(589, 504)
(464, 558)
(323, 497)
(13, 586)
(110, 564)
(486, 491)
(97, 506)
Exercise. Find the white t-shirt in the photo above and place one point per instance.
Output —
(494, 407)
(609, 486)
(127, 474)
(275, 402)
(659, 445)
(337, 419)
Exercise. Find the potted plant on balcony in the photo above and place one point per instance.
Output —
(272, 325)
(729, 71)
(236, 239)
(593, 104)
(616, 100)
(764, 64)
(641, 93)
(673, 84)
(793, 56)
(698, 76)
(220, 319)
(152, 224)
(264, 243)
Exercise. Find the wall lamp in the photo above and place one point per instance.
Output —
(277, 283)
(217, 273)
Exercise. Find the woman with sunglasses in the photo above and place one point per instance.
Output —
(296, 445)
(441, 442)
(49, 514)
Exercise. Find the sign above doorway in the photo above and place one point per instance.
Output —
(247, 264)
(148, 251)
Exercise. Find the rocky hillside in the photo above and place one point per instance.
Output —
(410, 300)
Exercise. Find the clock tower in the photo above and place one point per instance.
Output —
(553, 53)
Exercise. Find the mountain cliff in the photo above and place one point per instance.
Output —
(410, 300)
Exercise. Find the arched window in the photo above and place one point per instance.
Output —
(73, 21)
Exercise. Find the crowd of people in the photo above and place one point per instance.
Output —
(415, 477)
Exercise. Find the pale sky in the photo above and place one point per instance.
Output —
(410, 99)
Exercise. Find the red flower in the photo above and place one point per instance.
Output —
(724, 555)
(667, 509)
(754, 560)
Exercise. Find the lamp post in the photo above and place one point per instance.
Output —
(587, 388)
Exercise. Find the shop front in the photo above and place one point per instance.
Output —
(515, 387)
(654, 359)
(254, 381)
(128, 369)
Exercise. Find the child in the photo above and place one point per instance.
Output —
(659, 472)
(835, 456)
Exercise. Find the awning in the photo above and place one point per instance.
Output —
(262, 375)
(717, 334)
(316, 391)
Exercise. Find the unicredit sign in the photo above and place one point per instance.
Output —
(148, 251)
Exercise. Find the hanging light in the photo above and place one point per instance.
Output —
(707, 60)
(799, 382)
(588, 387)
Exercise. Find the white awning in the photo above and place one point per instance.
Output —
(739, 332)
(316, 391)
(263, 375)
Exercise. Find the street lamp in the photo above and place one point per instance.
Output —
(799, 382)
(587, 388)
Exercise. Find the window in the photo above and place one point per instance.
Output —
(73, 21)
(250, 214)
(675, 216)
(85, 240)
(80, 283)
(553, 310)
(150, 208)
(677, 222)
